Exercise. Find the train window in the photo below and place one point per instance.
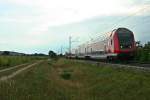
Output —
(125, 39)
(111, 41)
(91, 49)
(76, 51)
(110, 34)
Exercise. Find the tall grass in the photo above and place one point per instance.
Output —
(7, 61)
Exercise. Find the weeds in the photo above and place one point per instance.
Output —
(66, 74)
(8, 61)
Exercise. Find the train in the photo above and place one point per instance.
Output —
(118, 44)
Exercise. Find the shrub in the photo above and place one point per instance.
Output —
(66, 75)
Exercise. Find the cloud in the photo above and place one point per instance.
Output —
(31, 22)
(56, 12)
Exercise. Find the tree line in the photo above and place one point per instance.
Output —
(142, 53)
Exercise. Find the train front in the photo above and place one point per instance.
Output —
(124, 43)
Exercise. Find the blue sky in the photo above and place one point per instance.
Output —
(32, 26)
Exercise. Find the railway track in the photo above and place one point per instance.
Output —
(135, 63)
(125, 64)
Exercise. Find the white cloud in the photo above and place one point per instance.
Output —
(56, 12)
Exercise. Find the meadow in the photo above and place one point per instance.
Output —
(77, 80)
(9, 61)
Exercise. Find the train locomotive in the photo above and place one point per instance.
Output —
(118, 44)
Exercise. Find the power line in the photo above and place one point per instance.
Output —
(128, 17)
(121, 20)
(70, 44)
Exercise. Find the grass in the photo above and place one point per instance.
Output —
(73, 80)
(8, 61)
(66, 75)
(8, 72)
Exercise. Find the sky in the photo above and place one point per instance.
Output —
(37, 26)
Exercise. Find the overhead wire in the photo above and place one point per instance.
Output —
(104, 35)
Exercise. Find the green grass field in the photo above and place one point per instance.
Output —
(8, 61)
(73, 80)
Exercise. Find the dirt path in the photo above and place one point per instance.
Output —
(6, 69)
(4, 78)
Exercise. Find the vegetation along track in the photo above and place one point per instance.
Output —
(13, 74)
(127, 64)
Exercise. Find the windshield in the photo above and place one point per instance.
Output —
(125, 39)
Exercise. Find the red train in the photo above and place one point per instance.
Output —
(119, 43)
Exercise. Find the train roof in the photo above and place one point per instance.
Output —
(123, 29)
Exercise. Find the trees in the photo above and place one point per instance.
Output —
(52, 54)
(147, 46)
(138, 44)
(143, 52)
(147, 51)
(6, 53)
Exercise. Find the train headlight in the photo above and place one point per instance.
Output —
(121, 46)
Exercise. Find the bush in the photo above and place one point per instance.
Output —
(143, 53)
(66, 75)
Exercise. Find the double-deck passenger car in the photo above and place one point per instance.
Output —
(119, 43)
